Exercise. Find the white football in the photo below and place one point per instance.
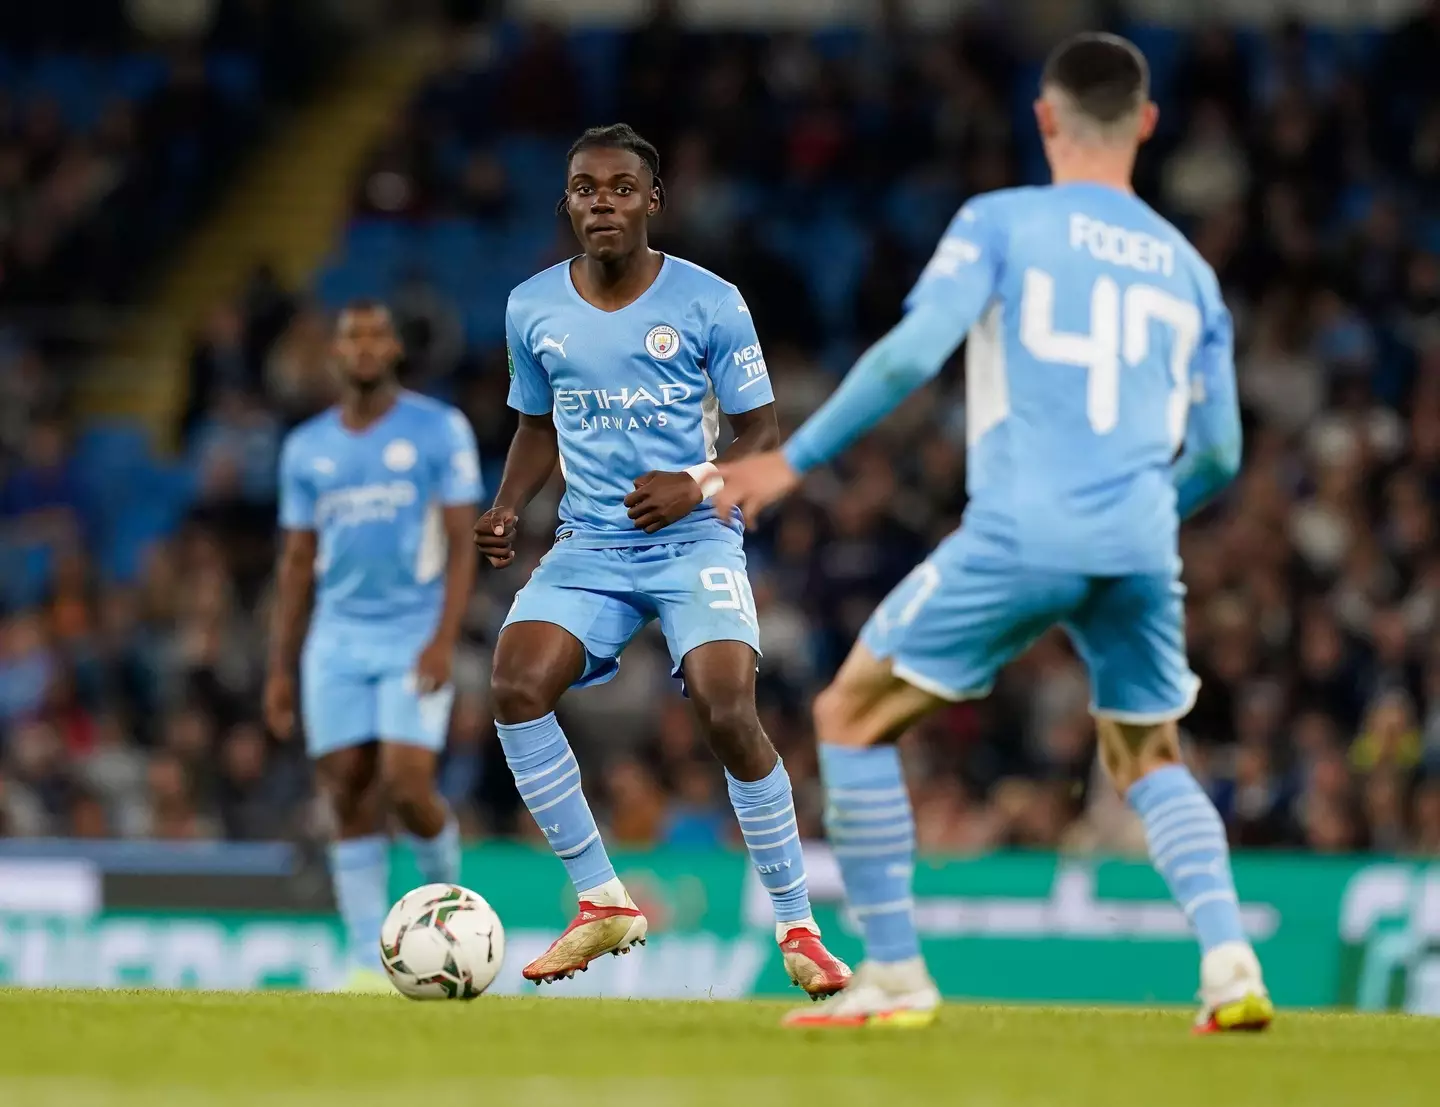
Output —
(442, 941)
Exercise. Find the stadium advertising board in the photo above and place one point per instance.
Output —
(1017, 927)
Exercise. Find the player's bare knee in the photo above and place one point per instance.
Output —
(1160, 751)
(517, 699)
(404, 789)
(346, 780)
(352, 803)
(839, 719)
(409, 794)
(347, 805)
(1130, 751)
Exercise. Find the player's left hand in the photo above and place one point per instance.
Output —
(660, 499)
(754, 483)
(432, 667)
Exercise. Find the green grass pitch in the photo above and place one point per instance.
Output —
(96, 1049)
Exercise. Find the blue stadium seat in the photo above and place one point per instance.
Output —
(137, 76)
(837, 43)
(597, 54)
(833, 254)
(372, 241)
(163, 495)
(74, 82)
(918, 210)
(235, 75)
(25, 572)
(440, 241)
(1164, 48)
(1430, 235)
(115, 463)
(483, 310)
(1029, 153)
(339, 283)
(112, 446)
(536, 168)
(1361, 46)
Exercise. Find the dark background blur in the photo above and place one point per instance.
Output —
(813, 167)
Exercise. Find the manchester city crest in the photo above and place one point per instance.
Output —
(663, 342)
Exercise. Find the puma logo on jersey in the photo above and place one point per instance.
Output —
(554, 345)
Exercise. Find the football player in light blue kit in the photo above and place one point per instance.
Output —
(621, 362)
(377, 496)
(1099, 348)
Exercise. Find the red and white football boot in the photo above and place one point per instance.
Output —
(811, 966)
(603, 927)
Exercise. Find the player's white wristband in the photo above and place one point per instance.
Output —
(707, 477)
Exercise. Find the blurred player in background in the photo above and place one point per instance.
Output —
(621, 361)
(1096, 327)
(377, 497)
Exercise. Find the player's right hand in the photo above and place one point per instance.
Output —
(280, 705)
(495, 536)
(753, 483)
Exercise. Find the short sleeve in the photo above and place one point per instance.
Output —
(734, 360)
(529, 385)
(297, 494)
(459, 463)
(965, 267)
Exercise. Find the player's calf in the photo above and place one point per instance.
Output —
(1188, 847)
(732, 728)
(720, 677)
(548, 778)
(872, 833)
(407, 781)
(359, 856)
(534, 663)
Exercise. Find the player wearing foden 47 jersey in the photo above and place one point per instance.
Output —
(377, 498)
(1099, 347)
(622, 361)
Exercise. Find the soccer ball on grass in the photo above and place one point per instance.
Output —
(442, 941)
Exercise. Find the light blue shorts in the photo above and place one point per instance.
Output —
(967, 610)
(358, 688)
(698, 590)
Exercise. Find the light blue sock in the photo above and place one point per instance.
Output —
(766, 810)
(872, 833)
(1188, 848)
(360, 873)
(548, 777)
(438, 858)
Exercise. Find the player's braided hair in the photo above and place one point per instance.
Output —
(617, 136)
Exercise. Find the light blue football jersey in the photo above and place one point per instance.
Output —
(375, 497)
(634, 390)
(1096, 320)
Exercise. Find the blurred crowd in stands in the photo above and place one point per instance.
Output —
(1305, 167)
